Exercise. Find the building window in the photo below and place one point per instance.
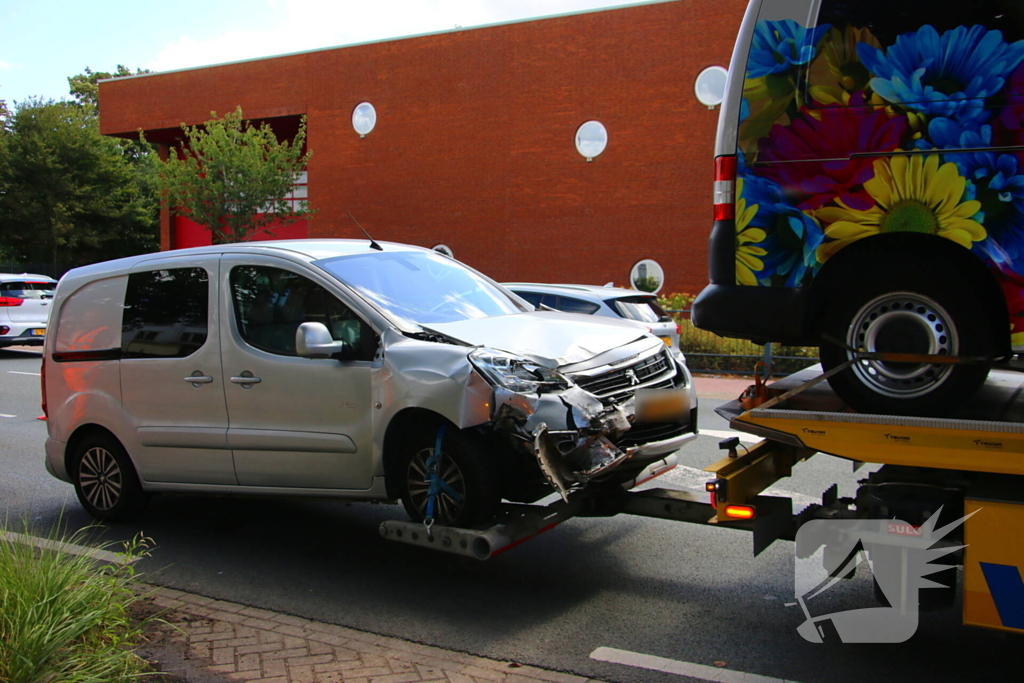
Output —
(647, 276)
(591, 139)
(364, 118)
(710, 86)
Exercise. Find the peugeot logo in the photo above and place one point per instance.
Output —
(633, 379)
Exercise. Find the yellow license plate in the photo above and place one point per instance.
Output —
(661, 405)
(667, 340)
(38, 332)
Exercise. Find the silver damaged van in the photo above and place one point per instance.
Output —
(347, 369)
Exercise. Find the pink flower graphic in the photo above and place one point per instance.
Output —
(826, 137)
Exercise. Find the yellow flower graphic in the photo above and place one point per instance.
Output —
(747, 255)
(838, 71)
(912, 194)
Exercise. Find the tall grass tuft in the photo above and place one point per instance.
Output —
(64, 618)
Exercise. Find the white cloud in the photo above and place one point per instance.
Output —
(311, 24)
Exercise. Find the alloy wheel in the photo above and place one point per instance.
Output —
(100, 478)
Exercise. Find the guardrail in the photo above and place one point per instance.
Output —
(706, 352)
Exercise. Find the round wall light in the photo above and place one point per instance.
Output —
(647, 276)
(710, 86)
(591, 139)
(443, 249)
(364, 118)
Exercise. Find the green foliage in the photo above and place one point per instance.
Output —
(85, 86)
(68, 195)
(646, 284)
(232, 177)
(708, 352)
(64, 618)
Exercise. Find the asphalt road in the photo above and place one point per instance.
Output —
(682, 592)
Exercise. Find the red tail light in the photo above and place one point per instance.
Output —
(10, 301)
(725, 188)
(42, 385)
(679, 328)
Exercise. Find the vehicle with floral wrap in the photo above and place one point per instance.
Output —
(869, 191)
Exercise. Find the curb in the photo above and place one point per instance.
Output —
(235, 642)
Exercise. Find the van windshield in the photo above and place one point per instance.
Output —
(421, 287)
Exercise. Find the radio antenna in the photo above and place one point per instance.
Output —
(373, 243)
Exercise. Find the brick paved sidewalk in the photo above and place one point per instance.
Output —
(238, 643)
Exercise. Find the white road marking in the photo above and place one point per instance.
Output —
(728, 434)
(2, 415)
(60, 546)
(15, 372)
(706, 673)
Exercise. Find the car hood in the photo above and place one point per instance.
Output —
(549, 338)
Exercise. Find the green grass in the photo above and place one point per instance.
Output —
(64, 618)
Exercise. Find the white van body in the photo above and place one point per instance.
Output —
(201, 370)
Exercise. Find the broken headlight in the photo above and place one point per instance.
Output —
(516, 374)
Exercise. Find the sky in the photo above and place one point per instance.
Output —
(43, 42)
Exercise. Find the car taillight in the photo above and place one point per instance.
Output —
(725, 188)
(42, 386)
(679, 328)
(10, 301)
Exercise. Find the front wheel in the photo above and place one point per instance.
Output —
(907, 314)
(467, 492)
(105, 479)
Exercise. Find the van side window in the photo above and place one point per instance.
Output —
(165, 313)
(271, 303)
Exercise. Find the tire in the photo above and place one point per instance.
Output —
(907, 310)
(464, 467)
(105, 480)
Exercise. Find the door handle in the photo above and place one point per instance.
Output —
(198, 378)
(246, 380)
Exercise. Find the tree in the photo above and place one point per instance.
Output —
(85, 86)
(69, 195)
(232, 177)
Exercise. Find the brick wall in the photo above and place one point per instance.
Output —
(474, 139)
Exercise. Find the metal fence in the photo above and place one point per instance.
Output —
(706, 352)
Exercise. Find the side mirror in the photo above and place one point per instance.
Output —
(313, 340)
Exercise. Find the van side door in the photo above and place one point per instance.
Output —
(294, 422)
(171, 379)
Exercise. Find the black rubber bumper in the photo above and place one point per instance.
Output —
(761, 314)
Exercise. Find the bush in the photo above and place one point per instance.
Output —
(64, 618)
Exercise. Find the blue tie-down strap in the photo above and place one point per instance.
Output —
(437, 484)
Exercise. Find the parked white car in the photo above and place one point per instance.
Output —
(348, 369)
(610, 302)
(24, 308)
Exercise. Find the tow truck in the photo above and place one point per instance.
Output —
(968, 470)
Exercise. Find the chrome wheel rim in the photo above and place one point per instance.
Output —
(903, 322)
(100, 478)
(446, 507)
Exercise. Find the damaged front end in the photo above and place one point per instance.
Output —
(589, 421)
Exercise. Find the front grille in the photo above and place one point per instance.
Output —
(618, 384)
(646, 432)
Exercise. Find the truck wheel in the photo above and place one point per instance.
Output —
(907, 312)
(105, 479)
(469, 496)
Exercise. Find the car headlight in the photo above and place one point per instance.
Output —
(516, 374)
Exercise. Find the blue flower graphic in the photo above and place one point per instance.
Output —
(793, 236)
(997, 181)
(779, 45)
(941, 75)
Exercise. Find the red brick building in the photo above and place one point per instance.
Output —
(474, 144)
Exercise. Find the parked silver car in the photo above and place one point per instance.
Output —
(24, 308)
(330, 367)
(611, 302)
